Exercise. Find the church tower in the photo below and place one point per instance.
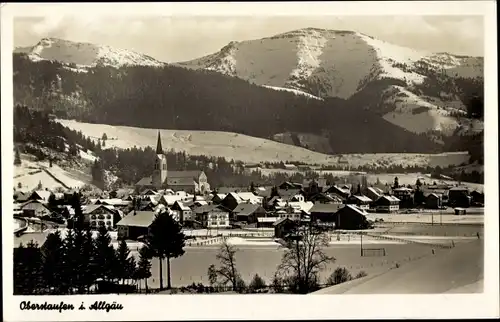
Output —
(159, 176)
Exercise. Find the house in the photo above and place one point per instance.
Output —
(459, 197)
(194, 182)
(386, 204)
(343, 192)
(99, 215)
(42, 195)
(218, 197)
(21, 197)
(182, 211)
(326, 198)
(477, 197)
(212, 216)
(351, 217)
(266, 222)
(324, 212)
(314, 186)
(405, 196)
(361, 201)
(374, 193)
(433, 201)
(34, 208)
(283, 227)
(233, 199)
(287, 185)
(248, 212)
(135, 224)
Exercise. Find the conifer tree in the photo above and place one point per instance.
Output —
(17, 158)
(144, 266)
(105, 255)
(52, 252)
(123, 267)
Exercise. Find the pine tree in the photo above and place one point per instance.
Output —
(52, 252)
(165, 240)
(89, 253)
(31, 269)
(105, 255)
(123, 268)
(17, 158)
(144, 266)
(68, 272)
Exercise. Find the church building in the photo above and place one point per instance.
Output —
(193, 182)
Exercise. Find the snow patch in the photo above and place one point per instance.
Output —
(295, 91)
(309, 50)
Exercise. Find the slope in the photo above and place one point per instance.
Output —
(248, 149)
(85, 54)
(461, 267)
(345, 64)
(181, 99)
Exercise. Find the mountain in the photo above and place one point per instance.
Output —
(420, 91)
(79, 55)
(142, 92)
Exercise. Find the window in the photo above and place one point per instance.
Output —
(108, 217)
(164, 166)
(100, 217)
(93, 223)
(101, 223)
(222, 223)
(93, 217)
(214, 223)
(108, 223)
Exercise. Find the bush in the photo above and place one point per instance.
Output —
(361, 274)
(241, 287)
(340, 275)
(256, 284)
(277, 285)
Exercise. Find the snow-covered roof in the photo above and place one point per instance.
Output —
(363, 198)
(390, 198)
(357, 209)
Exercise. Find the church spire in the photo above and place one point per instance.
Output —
(159, 149)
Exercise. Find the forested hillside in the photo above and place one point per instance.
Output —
(178, 98)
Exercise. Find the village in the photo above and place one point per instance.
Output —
(252, 216)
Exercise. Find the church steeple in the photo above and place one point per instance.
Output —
(159, 149)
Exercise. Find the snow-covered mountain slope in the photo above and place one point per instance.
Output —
(251, 149)
(345, 64)
(295, 91)
(85, 54)
(30, 173)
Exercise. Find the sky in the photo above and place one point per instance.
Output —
(174, 39)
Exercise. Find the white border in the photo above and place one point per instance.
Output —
(191, 307)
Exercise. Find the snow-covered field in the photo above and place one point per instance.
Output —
(30, 173)
(250, 149)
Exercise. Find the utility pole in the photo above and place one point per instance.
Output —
(361, 244)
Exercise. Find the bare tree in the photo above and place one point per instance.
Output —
(304, 259)
(227, 272)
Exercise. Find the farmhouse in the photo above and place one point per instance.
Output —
(248, 212)
(135, 224)
(343, 192)
(361, 201)
(283, 227)
(212, 216)
(459, 197)
(405, 196)
(34, 208)
(194, 182)
(387, 204)
(433, 201)
(350, 217)
(182, 211)
(324, 212)
(99, 215)
(42, 195)
(374, 193)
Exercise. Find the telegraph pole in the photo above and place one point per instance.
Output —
(361, 246)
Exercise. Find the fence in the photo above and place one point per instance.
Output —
(451, 245)
(373, 252)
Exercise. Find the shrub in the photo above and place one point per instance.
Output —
(241, 286)
(361, 274)
(257, 284)
(340, 275)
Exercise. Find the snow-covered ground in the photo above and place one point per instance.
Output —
(30, 173)
(86, 54)
(251, 149)
(295, 91)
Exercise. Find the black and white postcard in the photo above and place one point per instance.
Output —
(157, 155)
